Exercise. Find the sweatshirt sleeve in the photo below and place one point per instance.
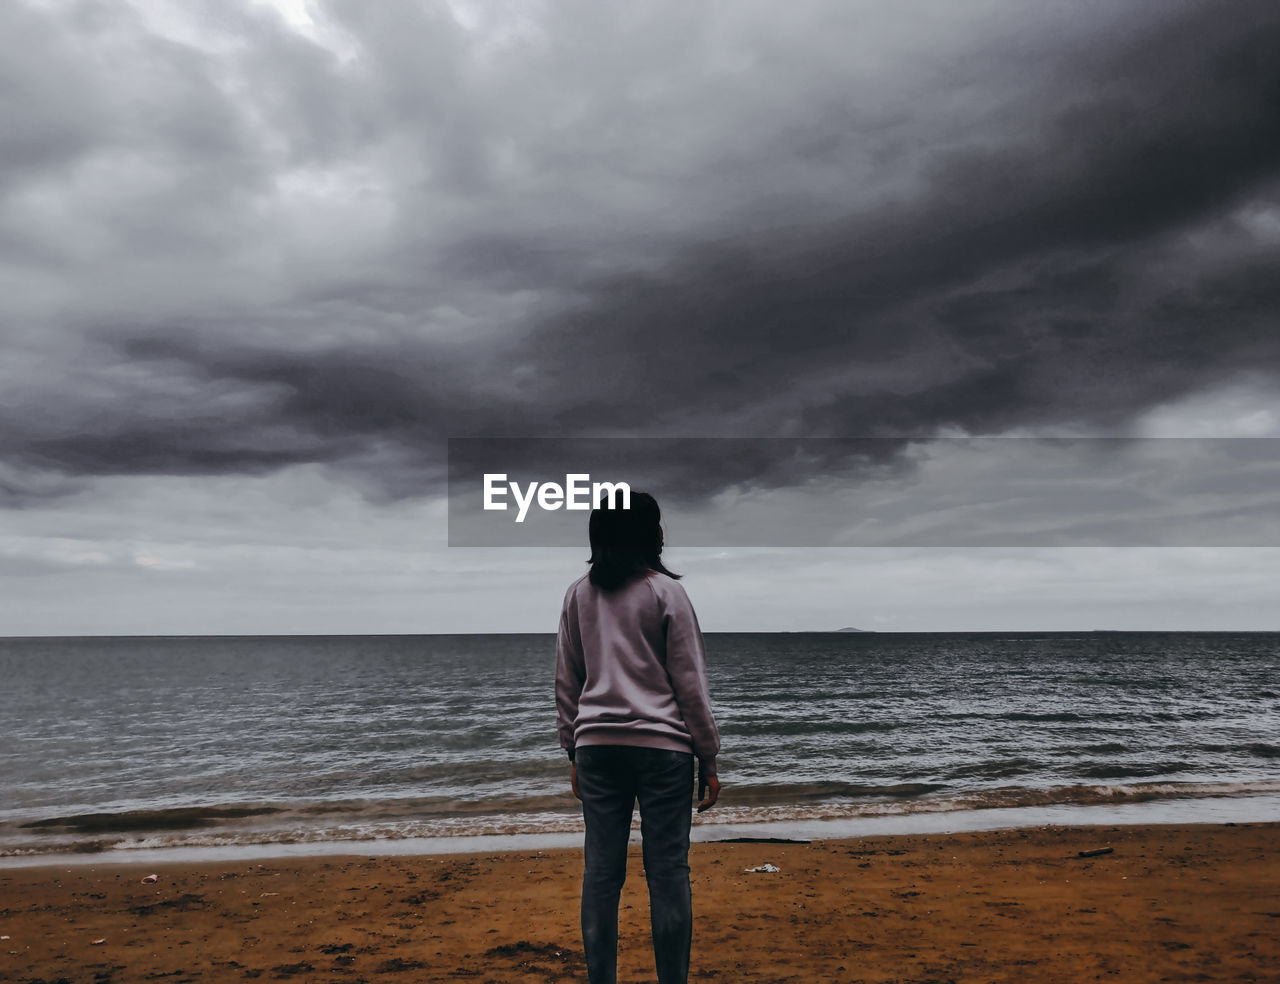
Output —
(571, 675)
(687, 668)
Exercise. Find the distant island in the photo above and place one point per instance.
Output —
(850, 628)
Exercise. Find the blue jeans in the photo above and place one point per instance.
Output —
(610, 780)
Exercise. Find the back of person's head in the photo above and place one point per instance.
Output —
(626, 543)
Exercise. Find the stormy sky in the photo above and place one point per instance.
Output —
(261, 261)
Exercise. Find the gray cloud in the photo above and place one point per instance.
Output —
(238, 250)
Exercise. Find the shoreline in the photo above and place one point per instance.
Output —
(1252, 809)
(1161, 902)
(1223, 810)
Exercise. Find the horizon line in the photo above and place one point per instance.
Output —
(544, 632)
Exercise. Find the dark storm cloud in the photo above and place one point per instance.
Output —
(1173, 129)
(252, 252)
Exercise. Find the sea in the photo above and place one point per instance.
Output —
(124, 748)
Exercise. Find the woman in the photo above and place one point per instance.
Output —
(633, 712)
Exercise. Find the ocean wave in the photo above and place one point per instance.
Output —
(1131, 770)
(176, 818)
(363, 821)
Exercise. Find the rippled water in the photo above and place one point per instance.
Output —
(113, 743)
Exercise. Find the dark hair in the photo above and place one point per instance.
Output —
(626, 543)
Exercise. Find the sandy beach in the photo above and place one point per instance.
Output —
(1164, 903)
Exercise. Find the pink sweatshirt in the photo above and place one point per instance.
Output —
(631, 670)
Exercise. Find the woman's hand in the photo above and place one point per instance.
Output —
(708, 792)
(573, 781)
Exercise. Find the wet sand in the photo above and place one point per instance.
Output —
(1168, 903)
